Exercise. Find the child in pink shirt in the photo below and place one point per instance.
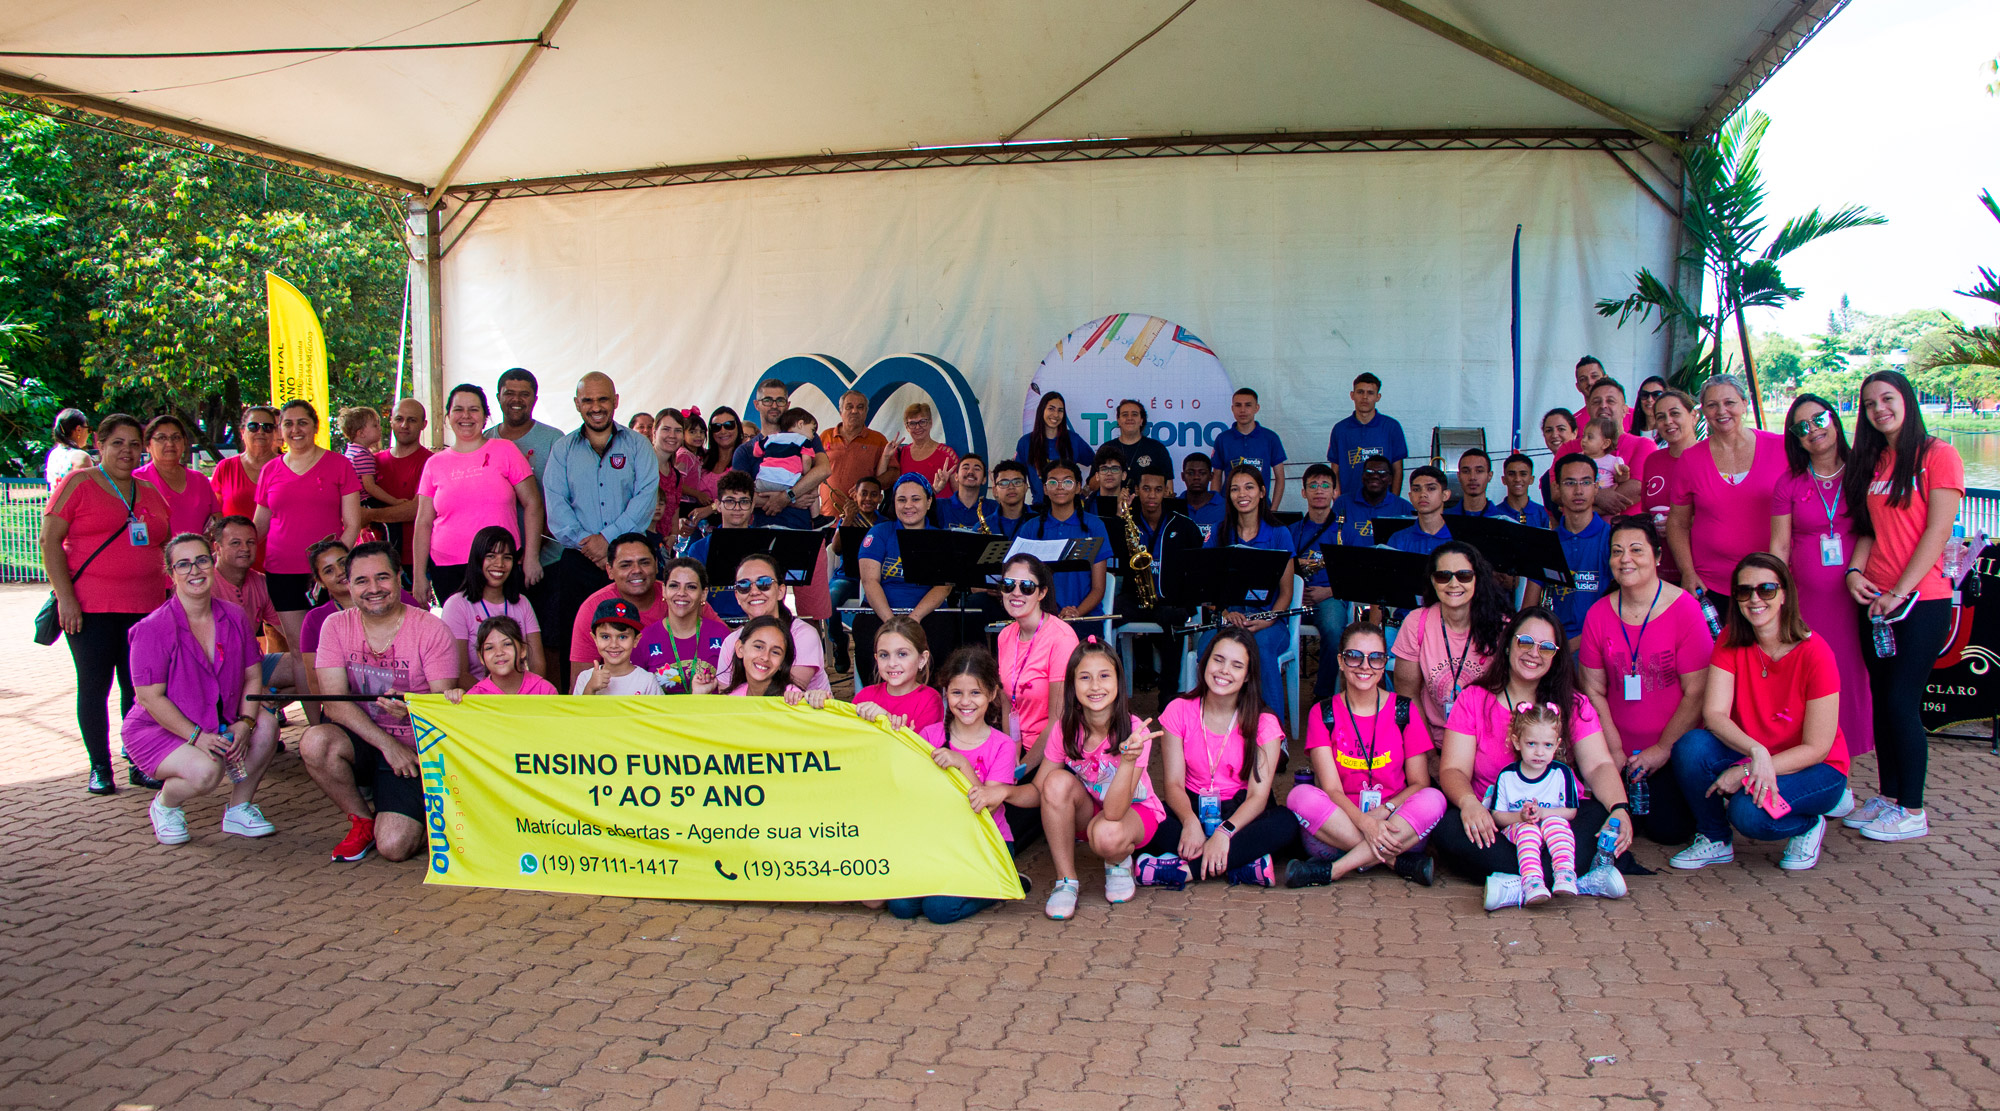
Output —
(902, 664)
(503, 649)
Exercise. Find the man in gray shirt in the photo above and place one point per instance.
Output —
(601, 482)
(516, 394)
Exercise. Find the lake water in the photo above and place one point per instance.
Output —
(1981, 452)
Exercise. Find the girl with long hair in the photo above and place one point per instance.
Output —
(1051, 440)
(1247, 521)
(493, 587)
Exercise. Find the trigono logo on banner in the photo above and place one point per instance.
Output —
(1148, 359)
(697, 797)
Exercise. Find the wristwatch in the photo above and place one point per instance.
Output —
(1228, 828)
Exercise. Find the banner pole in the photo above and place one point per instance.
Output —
(1517, 337)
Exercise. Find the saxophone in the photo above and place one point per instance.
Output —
(979, 508)
(1140, 562)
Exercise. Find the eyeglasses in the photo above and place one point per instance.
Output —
(1008, 483)
(1442, 577)
(1766, 591)
(260, 426)
(1808, 425)
(761, 582)
(722, 425)
(198, 563)
(1019, 586)
(1651, 395)
(733, 503)
(1354, 657)
(1060, 483)
(1546, 648)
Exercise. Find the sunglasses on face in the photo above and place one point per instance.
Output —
(259, 426)
(723, 425)
(1019, 586)
(1354, 657)
(1546, 648)
(1808, 425)
(1651, 395)
(1443, 577)
(1767, 591)
(761, 582)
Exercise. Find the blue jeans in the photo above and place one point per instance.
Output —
(941, 909)
(1271, 643)
(1700, 758)
(842, 591)
(1330, 618)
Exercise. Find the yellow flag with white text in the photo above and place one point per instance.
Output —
(298, 352)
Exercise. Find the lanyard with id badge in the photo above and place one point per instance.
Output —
(1832, 552)
(1371, 790)
(135, 529)
(1209, 806)
(1632, 684)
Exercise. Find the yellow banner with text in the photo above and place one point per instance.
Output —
(695, 797)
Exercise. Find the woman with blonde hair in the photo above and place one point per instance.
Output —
(916, 453)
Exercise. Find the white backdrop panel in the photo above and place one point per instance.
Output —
(1300, 271)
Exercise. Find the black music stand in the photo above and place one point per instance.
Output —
(1385, 527)
(1376, 576)
(1288, 517)
(1229, 576)
(1516, 549)
(796, 550)
(850, 551)
(963, 559)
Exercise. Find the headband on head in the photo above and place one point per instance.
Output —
(1524, 707)
(912, 476)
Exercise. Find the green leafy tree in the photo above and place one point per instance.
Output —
(1781, 356)
(1974, 346)
(1724, 224)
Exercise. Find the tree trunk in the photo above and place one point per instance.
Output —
(1749, 369)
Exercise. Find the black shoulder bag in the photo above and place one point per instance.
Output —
(48, 623)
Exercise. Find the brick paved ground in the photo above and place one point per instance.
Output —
(227, 973)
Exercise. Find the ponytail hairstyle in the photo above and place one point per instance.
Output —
(904, 626)
(779, 677)
(1229, 535)
(1249, 699)
(976, 661)
(1073, 724)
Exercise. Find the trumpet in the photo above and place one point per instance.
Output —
(1140, 560)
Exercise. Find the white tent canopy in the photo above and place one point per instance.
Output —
(1560, 114)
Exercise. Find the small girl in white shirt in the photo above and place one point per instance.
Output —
(1534, 799)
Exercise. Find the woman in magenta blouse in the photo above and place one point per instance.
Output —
(1722, 493)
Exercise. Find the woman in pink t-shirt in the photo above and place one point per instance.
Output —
(191, 501)
(479, 482)
(303, 496)
(1450, 642)
(1535, 669)
(1721, 492)
(1674, 426)
(1644, 654)
(1221, 749)
(1034, 649)
(1093, 781)
(1902, 488)
(1374, 754)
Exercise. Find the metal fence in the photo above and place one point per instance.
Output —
(21, 529)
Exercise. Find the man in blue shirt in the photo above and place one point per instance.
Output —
(786, 509)
(1077, 592)
(1317, 528)
(1475, 476)
(516, 394)
(1427, 494)
(1010, 497)
(1366, 434)
(1250, 444)
(1518, 473)
(599, 482)
(965, 506)
(1356, 510)
(1205, 506)
(1586, 543)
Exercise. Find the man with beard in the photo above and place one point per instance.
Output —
(385, 648)
(1356, 510)
(516, 394)
(635, 577)
(600, 482)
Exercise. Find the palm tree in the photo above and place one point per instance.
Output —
(1977, 344)
(1722, 215)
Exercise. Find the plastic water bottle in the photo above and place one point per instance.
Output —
(1713, 615)
(1954, 553)
(1607, 843)
(1211, 814)
(1885, 638)
(1640, 795)
(235, 758)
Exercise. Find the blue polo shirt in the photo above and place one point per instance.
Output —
(1588, 554)
(1072, 587)
(1009, 528)
(1457, 509)
(1415, 539)
(1357, 517)
(1260, 448)
(1081, 453)
(721, 598)
(1308, 537)
(1353, 443)
(1534, 516)
(953, 513)
(1269, 536)
(882, 544)
(1209, 517)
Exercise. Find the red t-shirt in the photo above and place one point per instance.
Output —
(1772, 707)
(398, 479)
(124, 578)
(1897, 530)
(235, 490)
(305, 508)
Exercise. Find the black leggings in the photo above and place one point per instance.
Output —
(940, 633)
(101, 649)
(1275, 832)
(1668, 819)
(1902, 745)
(1468, 861)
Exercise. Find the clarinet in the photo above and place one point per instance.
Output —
(1267, 615)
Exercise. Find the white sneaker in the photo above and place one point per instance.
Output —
(245, 820)
(1602, 883)
(1802, 852)
(1703, 853)
(1502, 891)
(170, 824)
(1865, 813)
(1062, 900)
(1118, 882)
(1897, 824)
(1845, 806)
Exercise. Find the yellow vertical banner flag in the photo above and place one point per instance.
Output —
(298, 352)
(696, 797)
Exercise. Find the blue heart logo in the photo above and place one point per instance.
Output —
(959, 422)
